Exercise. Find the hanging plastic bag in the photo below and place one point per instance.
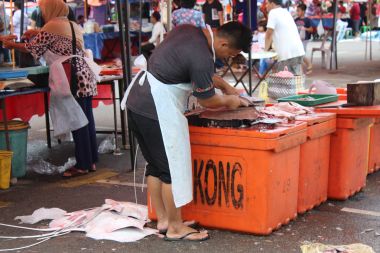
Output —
(321, 87)
(66, 114)
(320, 29)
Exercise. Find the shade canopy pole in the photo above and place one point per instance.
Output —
(334, 53)
(249, 17)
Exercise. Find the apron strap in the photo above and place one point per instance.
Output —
(73, 77)
(141, 83)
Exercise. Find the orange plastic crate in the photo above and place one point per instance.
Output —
(374, 148)
(314, 160)
(348, 157)
(244, 180)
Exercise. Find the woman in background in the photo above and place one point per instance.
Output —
(187, 15)
(54, 41)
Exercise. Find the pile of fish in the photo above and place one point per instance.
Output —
(259, 117)
(287, 111)
(114, 220)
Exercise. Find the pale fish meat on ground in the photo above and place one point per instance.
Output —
(321, 248)
(42, 214)
(114, 220)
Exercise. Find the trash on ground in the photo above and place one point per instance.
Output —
(107, 146)
(43, 167)
(367, 230)
(322, 248)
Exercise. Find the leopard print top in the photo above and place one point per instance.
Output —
(63, 46)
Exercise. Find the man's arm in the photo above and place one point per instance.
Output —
(221, 84)
(268, 39)
(220, 101)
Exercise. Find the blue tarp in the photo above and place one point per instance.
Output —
(95, 42)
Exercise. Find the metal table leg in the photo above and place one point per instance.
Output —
(122, 115)
(117, 150)
(4, 107)
(47, 120)
(262, 77)
(237, 80)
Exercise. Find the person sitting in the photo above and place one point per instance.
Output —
(80, 20)
(187, 15)
(157, 35)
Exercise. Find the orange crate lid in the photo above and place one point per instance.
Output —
(242, 132)
(319, 124)
(312, 119)
(355, 111)
(279, 139)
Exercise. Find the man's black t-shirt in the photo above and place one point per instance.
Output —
(183, 57)
(211, 12)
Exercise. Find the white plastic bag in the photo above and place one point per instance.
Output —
(66, 114)
(320, 29)
(322, 87)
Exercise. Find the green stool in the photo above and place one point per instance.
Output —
(365, 28)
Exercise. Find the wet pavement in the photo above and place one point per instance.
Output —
(328, 223)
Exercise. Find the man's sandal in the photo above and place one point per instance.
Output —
(185, 238)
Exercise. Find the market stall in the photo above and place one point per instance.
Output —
(256, 168)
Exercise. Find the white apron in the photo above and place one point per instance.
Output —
(171, 103)
(65, 112)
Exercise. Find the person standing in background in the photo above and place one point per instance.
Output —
(213, 13)
(363, 14)
(305, 29)
(187, 15)
(54, 42)
(37, 21)
(17, 20)
(283, 32)
(355, 18)
(313, 9)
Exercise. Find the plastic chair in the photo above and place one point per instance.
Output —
(348, 33)
(341, 30)
(324, 51)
